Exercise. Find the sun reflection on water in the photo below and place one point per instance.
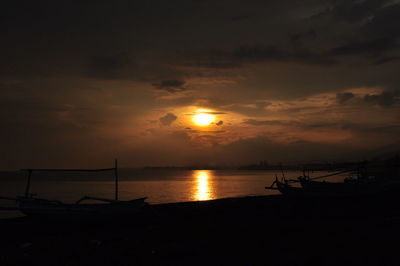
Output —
(202, 186)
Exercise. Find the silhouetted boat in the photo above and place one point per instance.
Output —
(34, 206)
(362, 185)
(325, 189)
(53, 208)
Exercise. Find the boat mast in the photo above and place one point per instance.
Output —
(116, 179)
(28, 183)
(283, 173)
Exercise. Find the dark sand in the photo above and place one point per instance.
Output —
(269, 230)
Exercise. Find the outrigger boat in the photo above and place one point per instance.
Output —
(33, 206)
(362, 185)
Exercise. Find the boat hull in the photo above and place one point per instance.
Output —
(44, 208)
(328, 189)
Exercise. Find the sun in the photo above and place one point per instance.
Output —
(203, 119)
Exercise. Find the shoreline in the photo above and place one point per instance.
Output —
(255, 230)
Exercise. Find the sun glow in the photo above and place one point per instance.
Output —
(203, 119)
(203, 188)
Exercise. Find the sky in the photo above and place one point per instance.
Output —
(84, 82)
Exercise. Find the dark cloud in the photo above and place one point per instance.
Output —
(32, 106)
(220, 123)
(384, 99)
(307, 125)
(261, 53)
(263, 148)
(239, 18)
(354, 11)
(384, 23)
(371, 31)
(108, 67)
(171, 86)
(253, 108)
(374, 42)
(386, 59)
(306, 35)
(241, 55)
(372, 130)
(76, 77)
(171, 83)
(291, 123)
(369, 47)
(343, 97)
(217, 59)
(255, 122)
(374, 37)
(168, 119)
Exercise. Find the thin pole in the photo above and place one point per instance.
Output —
(28, 184)
(283, 173)
(116, 179)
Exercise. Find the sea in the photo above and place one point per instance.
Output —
(158, 185)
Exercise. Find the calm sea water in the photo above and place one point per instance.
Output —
(159, 186)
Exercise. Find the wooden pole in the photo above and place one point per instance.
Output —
(28, 184)
(283, 173)
(116, 179)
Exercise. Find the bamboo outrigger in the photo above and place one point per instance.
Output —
(362, 185)
(33, 206)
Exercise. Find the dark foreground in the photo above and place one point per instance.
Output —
(244, 231)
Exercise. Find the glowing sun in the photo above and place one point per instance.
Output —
(203, 119)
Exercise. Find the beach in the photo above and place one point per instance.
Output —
(261, 230)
